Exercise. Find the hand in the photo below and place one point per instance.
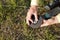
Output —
(31, 11)
(51, 21)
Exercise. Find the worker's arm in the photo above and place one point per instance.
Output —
(32, 11)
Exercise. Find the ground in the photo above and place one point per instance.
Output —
(14, 27)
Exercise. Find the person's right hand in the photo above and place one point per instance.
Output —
(54, 20)
(31, 11)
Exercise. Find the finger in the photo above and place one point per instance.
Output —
(36, 17)
(27, 21)
(45, 24)
(31, 20)
(44, 21)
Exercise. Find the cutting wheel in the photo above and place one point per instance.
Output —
(38, 24)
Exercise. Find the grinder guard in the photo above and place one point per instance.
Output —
(39, 22)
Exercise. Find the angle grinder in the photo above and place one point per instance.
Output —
(46, 16)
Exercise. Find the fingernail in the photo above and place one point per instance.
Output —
(36, 20)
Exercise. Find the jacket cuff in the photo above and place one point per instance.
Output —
(34, 2)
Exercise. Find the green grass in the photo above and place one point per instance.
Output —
(14, 27)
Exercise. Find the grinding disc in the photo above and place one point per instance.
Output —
(38, 24)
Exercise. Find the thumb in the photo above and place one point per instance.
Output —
(45, 24)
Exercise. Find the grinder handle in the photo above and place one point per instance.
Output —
(51, 13)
